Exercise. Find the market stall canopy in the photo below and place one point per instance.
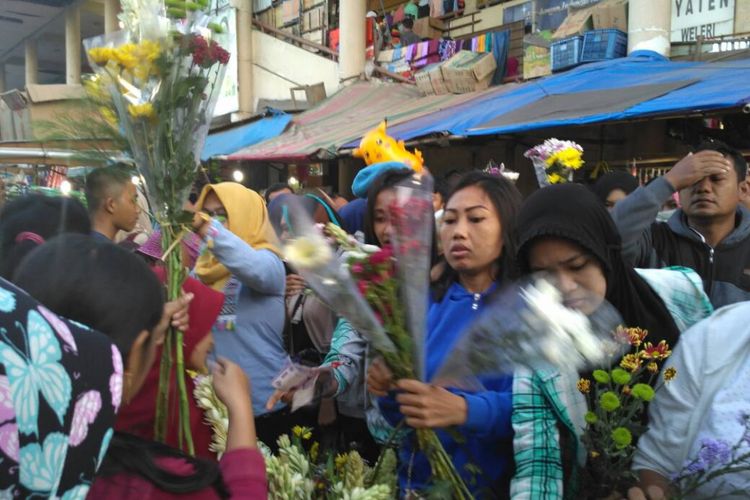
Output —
(345, 117)
(642, 85)
(227, 142)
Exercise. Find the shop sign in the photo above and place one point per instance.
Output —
(707, 18)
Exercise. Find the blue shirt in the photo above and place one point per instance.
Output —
(250, 328)
(487, 434)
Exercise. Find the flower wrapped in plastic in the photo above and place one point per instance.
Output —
(529, 326)
(383, 292)
(164, 71)
(555, 161)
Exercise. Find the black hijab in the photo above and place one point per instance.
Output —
(614, 180)
(572, 212)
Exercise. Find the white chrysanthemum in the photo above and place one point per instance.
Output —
(308, 252)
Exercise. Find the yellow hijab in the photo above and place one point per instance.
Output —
(247, 218)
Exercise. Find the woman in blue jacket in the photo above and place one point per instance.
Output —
(477, 240)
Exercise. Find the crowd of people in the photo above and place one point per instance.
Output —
(84, 318)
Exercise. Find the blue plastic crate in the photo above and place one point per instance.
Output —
(566, 53)
(600, 45)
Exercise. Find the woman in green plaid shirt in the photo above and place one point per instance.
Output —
(567, 232)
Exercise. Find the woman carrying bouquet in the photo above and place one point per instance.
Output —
(242, 262)
(567, 232)
(109, 289)
(477, 238)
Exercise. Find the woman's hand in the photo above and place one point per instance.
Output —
(430, 406)
(295, 284)
(233, 388)
(379, 378)
(177, 311)
(231, 385)
(201, 223)
(278, 395)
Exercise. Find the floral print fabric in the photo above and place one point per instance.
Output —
(56, 405)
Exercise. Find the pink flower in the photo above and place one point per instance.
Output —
(60, 327)
(86, 410)
(115, 380)
(357, 268)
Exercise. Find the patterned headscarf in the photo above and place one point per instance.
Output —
(60, 387)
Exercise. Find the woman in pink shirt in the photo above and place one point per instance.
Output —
(109, 289)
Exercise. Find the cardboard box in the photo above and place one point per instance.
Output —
(468, 72)
(424, 84)
(577, 22)
(429, 27)
(611, 14)
(536, 57)
(430, 80)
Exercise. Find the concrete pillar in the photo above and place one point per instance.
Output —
(352, 38)
(649, 26)
(111, 9)
(73, 45)
(31, 62)
(245, 56)
(2, 78)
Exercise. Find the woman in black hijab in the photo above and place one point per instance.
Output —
(566, 231)
(614, 186)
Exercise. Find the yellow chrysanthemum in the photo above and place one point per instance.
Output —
(145, 110)
(584, 386)
(631, 362)
(652, 367)
(670, 373)
(568, 158)
(101, 55)
(109, 116)
(555, 178)
(149, 50)
(126, 56)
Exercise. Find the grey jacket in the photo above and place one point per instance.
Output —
(725, 270)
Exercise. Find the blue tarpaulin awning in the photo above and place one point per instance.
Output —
(649, 85)
(231, 141)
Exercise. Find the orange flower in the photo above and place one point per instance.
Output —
(655, 352)
(632, 336)
(584, 386)
(631, 362)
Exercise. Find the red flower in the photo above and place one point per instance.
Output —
(218, 53)
(362, 286)
(656, 352)
(382, 256)
(199, 48)
(357, 268)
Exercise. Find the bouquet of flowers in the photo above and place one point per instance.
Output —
(390, 286)
(300, 471)
(617, 399)
(528, 325)
(555, 161)
(164, 71)
(715, 460)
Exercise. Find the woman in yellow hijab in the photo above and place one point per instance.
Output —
(242, 261)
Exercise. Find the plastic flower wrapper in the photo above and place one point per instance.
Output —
(413, 222)
(166, 68)
(326, 273)
(528, 325)
(555, 161)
